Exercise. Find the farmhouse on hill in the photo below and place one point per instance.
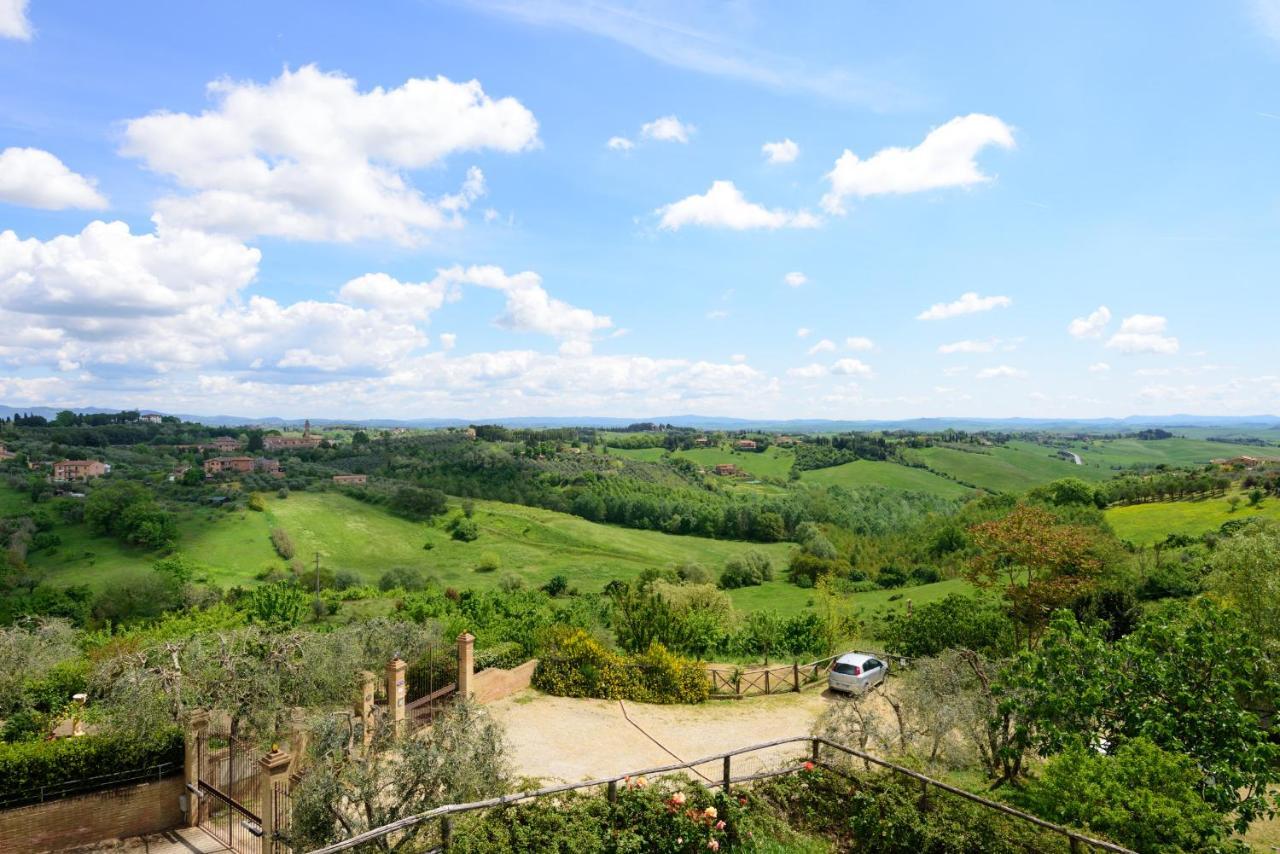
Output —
(745, 444)
(6, 454)
(726, 468)
(152, 418)
(280, 443)
(240, 465)
(224, 444)
(66, 470)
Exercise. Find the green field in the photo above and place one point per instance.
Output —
(788, 600)
(1145, 524)
(1174, 452)
(774, 462)
(648, 455)
(886, 474)
(1014, 468)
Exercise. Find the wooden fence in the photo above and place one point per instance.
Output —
(444, 815)
(736, 683)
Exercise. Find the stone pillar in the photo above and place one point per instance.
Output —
(194, 741)
(274, 780)
(396, 692)
(365, 703)
(298, 734)
(466, 663)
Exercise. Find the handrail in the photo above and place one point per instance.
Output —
(446, 811)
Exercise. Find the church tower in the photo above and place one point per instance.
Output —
(306, 429)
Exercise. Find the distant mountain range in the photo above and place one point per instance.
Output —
(709, 422)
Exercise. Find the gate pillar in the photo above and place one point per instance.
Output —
(194, 744)
(274, 779)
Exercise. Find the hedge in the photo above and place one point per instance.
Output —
(505, 656)
(574, 664)
(26, 766)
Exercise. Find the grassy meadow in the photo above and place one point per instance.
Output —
(886, 474)
(1144, 524)
(1016, 467)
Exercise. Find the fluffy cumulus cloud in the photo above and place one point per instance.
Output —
(785, 151)
(14, 23)
(1092, 325)
(851, 368)
(803, 332)
(382, 292)
(724, 206)
(619, 143)
(1001, 372)
(309, 156)
(808, 372)
(1143, 333)
(946, 158)
(36, 179)
(968, 303)
(794, 279)
(667, 129)
(968, 347)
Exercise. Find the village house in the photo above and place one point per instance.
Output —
(6, 454)
(745, 444)
(786, 441)
(305, 441)
(66, 470)
(701, 441)
(726, 468)
(240, 465)
(152, 418)
(351, 479)
(178, 473)
(470, 432)
(223, 444)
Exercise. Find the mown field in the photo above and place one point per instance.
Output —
(1145, 524)
(1123, 453)
(1013, 468)
(886, 474)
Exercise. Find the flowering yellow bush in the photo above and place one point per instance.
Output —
(574, 664)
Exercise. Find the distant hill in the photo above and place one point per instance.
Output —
(712, 422)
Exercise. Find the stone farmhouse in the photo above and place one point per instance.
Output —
(281, 443)
(6, 454)
(151, 418)
(240, 465)
(68, 470)
(745, 444)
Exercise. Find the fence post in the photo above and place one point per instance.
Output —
(728, 776)
(275, 771)
(766, 681)
(813, 754)
(466, 664)
(795, 675)
(1075, 844)
(612, 790)
(395, 693)
(194, 742)
(446, 832)
(924, 796)
(365, 703)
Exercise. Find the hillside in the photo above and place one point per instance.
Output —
(887, 474)
(1145, 524)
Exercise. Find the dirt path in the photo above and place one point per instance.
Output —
(558, 739)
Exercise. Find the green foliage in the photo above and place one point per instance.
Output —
(504, 656)
(805, 569)
(26, 766)
(126, 509)
(489, 562)
(1189, 679)
(408, 578)
(178, 566)
(418, 504)
(1141, 796)
(556, 586)
(574, 664)
(276, 605)
(955, 622)
(282, 543)
(257, 503)
(748, 569)
(464, 529)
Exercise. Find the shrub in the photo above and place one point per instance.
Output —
(557, 586)
(25, 725)
(510, 582)
(693, 573)
(276, 605)
(345, 579)
(464, 530)
(27, 766)
(574, 664)
(746, 570)
(258, 503)
(890, 576)
(489, 562)
(504, 656)
(925, 575)
(282, 543)
(955, 622)
(403, 578)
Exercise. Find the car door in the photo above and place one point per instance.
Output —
(874, 669)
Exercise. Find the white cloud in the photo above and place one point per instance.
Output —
(969, 347)
(448, 340)
(851, 367)
(1099, 368)
(968, 303)
(795, 279)
(808, 372)
(781, 152)
(858, 343)
(944, 159)
(380, 291)
(530, 308)
(803, 332)
(1091, 326)
(738, 358)
(667, 129)
(619, 143)
(1143, 333)
(717, 314)
(36, 179)
(309, 156)
(724, 206)
(1001, 372)
(826, 345)
(14, 23)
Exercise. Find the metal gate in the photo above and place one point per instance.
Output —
(229, 791)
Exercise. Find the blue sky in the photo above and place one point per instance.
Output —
(841, 210)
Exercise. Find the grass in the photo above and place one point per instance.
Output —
(774, 462)
(1145, 524)
(13, 502)
(1172, 452)
(1014, 468)
(789, 600)
(886, 474)
(648, 455)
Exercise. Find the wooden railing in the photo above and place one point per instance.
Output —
(422, 711)
(737, 683)
(445, 814)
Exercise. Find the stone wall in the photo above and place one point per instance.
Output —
(85, 819)
(493, 684)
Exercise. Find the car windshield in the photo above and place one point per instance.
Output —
(847, 669)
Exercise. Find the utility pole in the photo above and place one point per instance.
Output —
(317, 575)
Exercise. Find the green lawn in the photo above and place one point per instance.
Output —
(774, 462)
(890, 475)
(788, 599)
(1150, 523)
(13, 503)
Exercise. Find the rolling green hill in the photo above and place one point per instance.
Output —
(886, 474)
(774, 462)
(1013, 468)
(1173, 452)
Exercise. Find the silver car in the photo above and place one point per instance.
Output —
(855, 673)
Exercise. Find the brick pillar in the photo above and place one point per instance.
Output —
(365, 704)
(466, 663)
(298, 735)
(395, 693)
(196, 735)
(273, 778)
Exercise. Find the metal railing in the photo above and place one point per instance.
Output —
(445, 814)
(85, 785)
